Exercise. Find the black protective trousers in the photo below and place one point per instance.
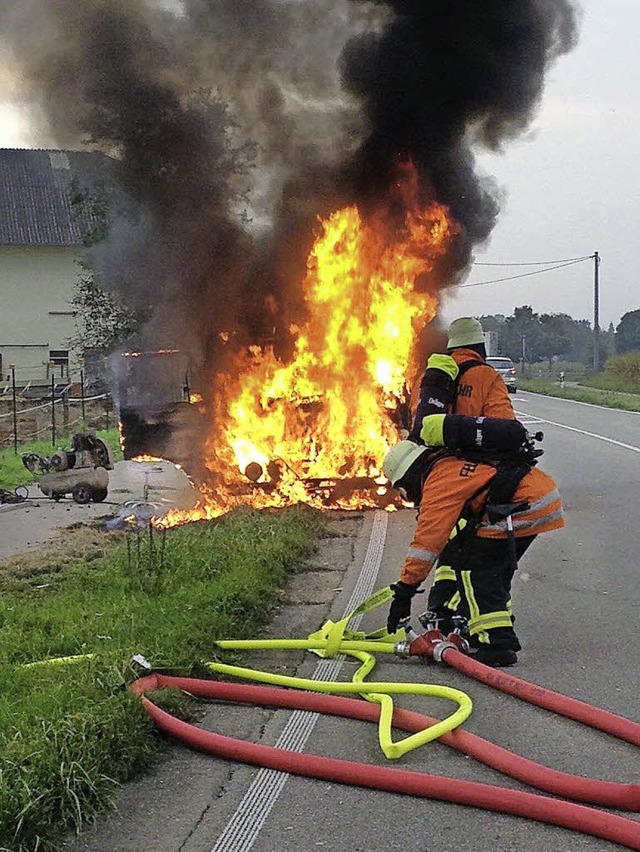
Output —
(481, 591)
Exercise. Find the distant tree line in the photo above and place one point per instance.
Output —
(550, 337)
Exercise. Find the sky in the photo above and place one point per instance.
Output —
(570, 186)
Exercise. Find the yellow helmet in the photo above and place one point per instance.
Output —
(400, 458)
(465, 331)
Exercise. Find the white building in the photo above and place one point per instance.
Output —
(41, 234)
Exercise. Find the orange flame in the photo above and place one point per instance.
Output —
(288, 433)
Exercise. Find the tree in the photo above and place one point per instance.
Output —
(522, 335)
(628, 333)
(102, 321)
(556, 337)
(492, 322)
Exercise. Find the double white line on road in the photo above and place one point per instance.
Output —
(244, 826)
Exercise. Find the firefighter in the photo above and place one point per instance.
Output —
(459, 382)
(445, 487)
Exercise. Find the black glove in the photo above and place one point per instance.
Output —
(400, 604)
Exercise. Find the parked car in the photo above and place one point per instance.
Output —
(507, 370)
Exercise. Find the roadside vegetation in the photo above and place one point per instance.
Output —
(618, 386)
(71, 733)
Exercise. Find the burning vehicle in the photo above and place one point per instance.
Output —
(311, 429)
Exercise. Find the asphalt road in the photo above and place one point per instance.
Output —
(576, 600)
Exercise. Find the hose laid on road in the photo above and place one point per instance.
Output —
(563, 705)
(569, 815)
(592, 790)
(335, 638)
(378, 692)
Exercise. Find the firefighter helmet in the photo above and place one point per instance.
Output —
(400, 458)
(465, 331)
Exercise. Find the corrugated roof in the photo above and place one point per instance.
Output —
(36, 191)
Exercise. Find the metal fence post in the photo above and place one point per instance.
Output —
(15, 411)
(53, 404)
(65, 411)
(82, 392)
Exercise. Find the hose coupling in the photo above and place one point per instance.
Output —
(439, 649)
(459, 641)
(403, 649)
(140, 662)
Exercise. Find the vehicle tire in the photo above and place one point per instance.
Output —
(99, 494)
(82, 493)
(511, 390)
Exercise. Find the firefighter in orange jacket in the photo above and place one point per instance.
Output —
(460, 382)
(446, 487)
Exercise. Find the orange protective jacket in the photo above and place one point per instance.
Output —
(452, 484)
(481, 390)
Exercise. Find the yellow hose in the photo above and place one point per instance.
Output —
(329, 641)
(380, 692)
(59, 661)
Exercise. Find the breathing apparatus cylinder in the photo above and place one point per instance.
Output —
(483, 433)
(487, 435)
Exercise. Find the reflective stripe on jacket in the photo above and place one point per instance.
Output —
(481, 391)
(450, 485)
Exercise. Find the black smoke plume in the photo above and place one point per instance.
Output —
(234, 124)
(443, 78)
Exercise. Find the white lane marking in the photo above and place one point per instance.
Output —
(243, 828)
(589, 434)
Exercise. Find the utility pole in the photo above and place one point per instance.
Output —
(596, 313)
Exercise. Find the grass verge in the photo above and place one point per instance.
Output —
(593, 395)
(70, 733)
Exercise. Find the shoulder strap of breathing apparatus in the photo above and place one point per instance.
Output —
(467, 365)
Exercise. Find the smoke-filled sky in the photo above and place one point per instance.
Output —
(286, 109)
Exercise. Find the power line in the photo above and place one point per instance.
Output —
(537, 262)
(527, 274)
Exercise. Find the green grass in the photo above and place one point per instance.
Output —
(612, 382)
(596, 395)
(69, 734)
(14, 473)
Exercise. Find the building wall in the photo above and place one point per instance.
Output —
(36, 319)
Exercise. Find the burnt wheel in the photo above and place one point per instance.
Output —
(99, 494)
(82, 493)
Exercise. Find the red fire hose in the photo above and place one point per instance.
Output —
(587, 820)
(594, 717)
